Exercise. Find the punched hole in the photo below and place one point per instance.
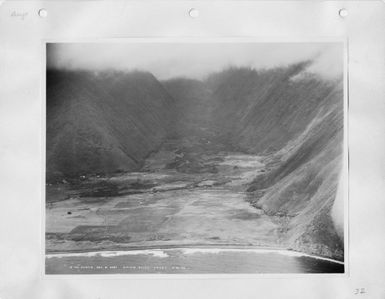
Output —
(194, 13)
(343, 12)
(43, 13)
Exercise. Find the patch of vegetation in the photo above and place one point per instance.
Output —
(108, 188)
(93, 233)
(100, 189)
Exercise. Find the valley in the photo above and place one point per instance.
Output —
(244, 159)
(204, 205)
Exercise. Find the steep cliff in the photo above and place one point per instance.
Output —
(262, 110)
(295, 119)
(103, 122)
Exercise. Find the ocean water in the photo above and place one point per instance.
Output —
(190, 261)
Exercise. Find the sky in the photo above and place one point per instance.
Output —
(193, 60)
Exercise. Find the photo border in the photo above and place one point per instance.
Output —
(193, 39)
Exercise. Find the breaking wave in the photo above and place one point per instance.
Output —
(164, 253)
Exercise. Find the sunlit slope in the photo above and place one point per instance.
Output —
(103, 122)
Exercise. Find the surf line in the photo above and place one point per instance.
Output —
(162, 253)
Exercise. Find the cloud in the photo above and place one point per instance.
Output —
(193, 60)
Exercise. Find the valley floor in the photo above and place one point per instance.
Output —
(161, 206)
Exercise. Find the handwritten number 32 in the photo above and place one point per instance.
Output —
(359, 291)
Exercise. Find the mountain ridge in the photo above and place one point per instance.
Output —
(92, 120)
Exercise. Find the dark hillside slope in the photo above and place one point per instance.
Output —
(103, 122)
(303, 181)
(296, 119)
(262, 110)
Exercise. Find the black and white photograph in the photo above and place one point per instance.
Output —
(218, 157)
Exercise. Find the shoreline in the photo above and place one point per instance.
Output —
(199, 248)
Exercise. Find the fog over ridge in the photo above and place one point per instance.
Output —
(194, 60)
